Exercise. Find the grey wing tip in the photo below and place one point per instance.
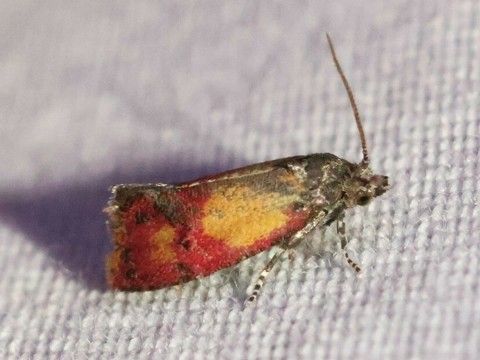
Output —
(121, 192)
(113, 188)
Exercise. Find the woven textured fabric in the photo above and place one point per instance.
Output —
(98, 93)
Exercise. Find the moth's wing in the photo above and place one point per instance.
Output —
(166, 235)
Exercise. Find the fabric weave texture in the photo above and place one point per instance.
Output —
(99, 93)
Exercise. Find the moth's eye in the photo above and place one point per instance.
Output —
(363, 200)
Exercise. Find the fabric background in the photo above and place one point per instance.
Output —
(98, 93)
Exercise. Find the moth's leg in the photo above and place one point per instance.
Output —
(291, 255)
(286, 246)
(343, 241)
(263, 275)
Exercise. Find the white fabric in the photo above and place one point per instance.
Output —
(98, 93)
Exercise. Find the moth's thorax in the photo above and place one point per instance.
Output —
(326, 174)
(331, 180)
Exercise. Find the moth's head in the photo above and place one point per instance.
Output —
(363, 186)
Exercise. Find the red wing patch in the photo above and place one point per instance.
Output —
(169, 235)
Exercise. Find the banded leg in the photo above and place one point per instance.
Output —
(263, 275)
(343, 242)
(292, 242)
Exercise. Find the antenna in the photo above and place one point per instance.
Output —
(366, 159)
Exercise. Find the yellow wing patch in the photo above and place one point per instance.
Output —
(240, 216)
(162, 243)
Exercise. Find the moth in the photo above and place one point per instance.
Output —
(170, 234)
